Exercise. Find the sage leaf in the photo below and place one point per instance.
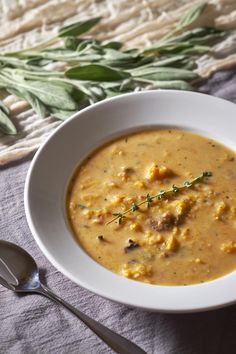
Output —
(38, 106)
(126, 85)
(175, 60)
(113, 45)
(167, 48)
(191, 15)
(166, 73)
(110, 93)
(38, 61)
(97, 93)
(96, 72)
(14, 62)
(111, 85)
(112, 57)
(52, 94)
(60, 114)
(112, 54)
(201, 35)
(210, 38)
(173, 85)
(64, 114)
(6, 125)
(189, 65)
(198, 32)
(71, 43)
(4, 108)
(76, 29)
(197, 49)
(181, 48)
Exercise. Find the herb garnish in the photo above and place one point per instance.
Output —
(160, 196)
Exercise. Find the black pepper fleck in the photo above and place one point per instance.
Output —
(132, 245)
(101, 238)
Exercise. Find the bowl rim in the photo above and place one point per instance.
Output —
(57, 265)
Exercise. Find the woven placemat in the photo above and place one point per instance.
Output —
(137, 23)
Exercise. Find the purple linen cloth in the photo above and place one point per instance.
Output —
(33, 324)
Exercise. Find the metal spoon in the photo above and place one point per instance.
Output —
(19, 273)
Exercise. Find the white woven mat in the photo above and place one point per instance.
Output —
(136, 22)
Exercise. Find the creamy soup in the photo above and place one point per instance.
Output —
(135, 207)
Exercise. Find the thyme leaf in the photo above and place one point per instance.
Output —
(134, 207)
(149, 200)
(175, 189)
(161, 194)
(119, 216)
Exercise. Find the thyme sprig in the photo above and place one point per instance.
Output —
(160, 196)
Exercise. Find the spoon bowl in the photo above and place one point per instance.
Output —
(21, 273)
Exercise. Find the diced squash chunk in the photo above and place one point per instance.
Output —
(172, 244)
(99, 220)
(182, 206)
(152, 240)
(135, 226)
(139, 184)
(89, 197)
(185, 234)
(88, 213)
(72, 206)
(136, 271)
(116, 200)
(155, 173)
(233, 210)
(228, 247)
(221, 208)
(111, 184)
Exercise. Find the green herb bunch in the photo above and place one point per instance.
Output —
(95, 70)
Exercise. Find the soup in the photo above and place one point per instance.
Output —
(144, 206)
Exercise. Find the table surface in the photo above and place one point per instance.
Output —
(33, 324)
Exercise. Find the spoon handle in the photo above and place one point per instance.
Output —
(115, 341)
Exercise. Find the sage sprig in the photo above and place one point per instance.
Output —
(47, 97)
(162, 194)
(188, 18)
(94, 70)
(6, 126)
(191, 15)
(78, 28)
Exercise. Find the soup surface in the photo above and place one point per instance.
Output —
(186, 235)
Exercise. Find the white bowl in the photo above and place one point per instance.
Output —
(55, 161)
